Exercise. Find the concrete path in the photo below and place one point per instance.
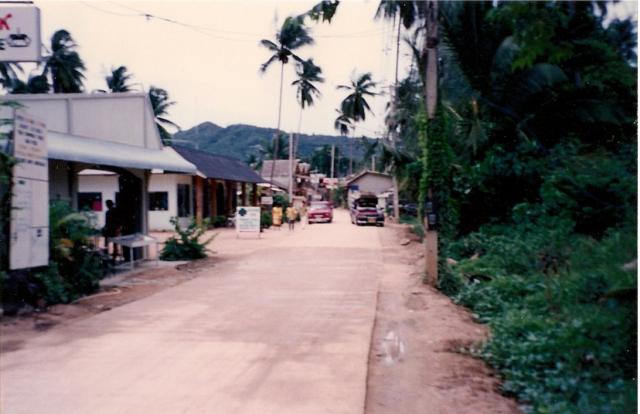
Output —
(280, 325)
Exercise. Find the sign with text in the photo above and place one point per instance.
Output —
(29, 227)
(266, 200)
(20, 34)
(248, 220)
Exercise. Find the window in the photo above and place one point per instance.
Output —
(184, 200)
(90, 201)
(158, 201)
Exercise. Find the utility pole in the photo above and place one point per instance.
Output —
(373, 163)
(291, 167)
(333, 157)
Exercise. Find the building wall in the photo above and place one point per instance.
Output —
(105, 184)
(371, 183)
(159, 220)
(123, 118)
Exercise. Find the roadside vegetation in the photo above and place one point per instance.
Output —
(526, 145)
(186, 243)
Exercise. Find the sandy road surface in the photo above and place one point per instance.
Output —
(327, 319)
(279, 325)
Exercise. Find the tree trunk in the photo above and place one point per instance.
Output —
(396, 202)
(277, 135)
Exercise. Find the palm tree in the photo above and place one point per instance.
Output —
(117, 80)
(9, 74)
(35, 84)
(343, 124)
(308, 73)
(355, 105)
(291, 36)
(64, 65)
(160, 104)
(406, 12)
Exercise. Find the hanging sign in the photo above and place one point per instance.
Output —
(29, 227)
(20, 34)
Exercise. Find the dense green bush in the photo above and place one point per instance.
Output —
(563, 320)
(219, 221)
(265, 219)
(79, 266)
(186, 245)
(417, 227)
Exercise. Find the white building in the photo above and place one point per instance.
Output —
(108, 132)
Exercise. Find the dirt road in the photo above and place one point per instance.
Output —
(282, 324)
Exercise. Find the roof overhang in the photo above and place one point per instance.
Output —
(98, 152)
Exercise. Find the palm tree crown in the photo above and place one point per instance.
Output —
(355, 105)
(160, 104)
(117, 80)
(407, 10)
(307, 72)
(64, 64)
(291, 36)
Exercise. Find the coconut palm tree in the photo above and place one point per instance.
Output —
(291, 36)
(9, 74)
(308, 73)
(355, 105)
(406, 11)
(35, 84)
(64, 66)
(117, 80)
(160, 104)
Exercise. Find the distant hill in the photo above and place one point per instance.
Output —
(240, 141)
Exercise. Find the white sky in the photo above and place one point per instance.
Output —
(213, 74)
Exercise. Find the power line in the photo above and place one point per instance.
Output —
(107, 11)
(365, 33)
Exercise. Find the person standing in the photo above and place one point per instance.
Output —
(112, 226)
(303, 215)
(292, 215)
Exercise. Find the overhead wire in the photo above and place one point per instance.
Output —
(206, 29)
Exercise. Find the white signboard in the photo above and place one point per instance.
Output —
(20, 34)
(248, 220)
(29, 242)
(267, 201)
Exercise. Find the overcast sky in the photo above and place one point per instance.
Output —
(212, 71)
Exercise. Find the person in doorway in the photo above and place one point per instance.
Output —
(112, 226)
(292, 215)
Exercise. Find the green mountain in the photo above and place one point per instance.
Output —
(241, 141)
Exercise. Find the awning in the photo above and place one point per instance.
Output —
(98, 152)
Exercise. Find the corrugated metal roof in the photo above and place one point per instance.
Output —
(218, 166)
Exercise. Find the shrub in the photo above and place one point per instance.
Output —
(265, 219)
(76, 261)
(563, 332)
(186, 245)
(219, 221)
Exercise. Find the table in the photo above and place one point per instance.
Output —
(136, 240)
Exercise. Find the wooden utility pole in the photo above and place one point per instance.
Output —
(290, 168)
(333, 157)
(431, 100)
